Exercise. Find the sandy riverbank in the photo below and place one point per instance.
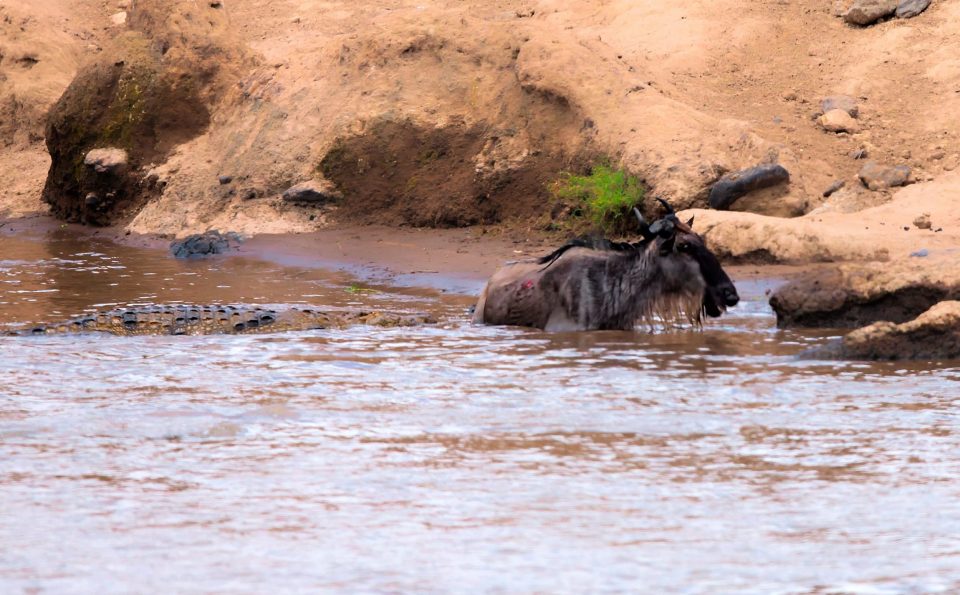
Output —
(455, 115)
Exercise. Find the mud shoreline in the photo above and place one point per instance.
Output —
(455, 261)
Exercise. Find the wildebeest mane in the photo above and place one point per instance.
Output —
(591, 243)
(664, 227)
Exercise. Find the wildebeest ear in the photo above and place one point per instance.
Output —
(690, 222)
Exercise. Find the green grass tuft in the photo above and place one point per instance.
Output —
(357, 289)
(606, 197)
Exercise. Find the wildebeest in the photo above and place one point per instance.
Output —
(669, 275)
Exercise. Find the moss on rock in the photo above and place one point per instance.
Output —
(149, 92)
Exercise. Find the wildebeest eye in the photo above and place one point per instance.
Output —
(684, 247)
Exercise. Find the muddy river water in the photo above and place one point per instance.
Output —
(451, 458)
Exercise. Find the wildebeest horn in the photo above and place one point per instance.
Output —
(666, 206)
(644, 228)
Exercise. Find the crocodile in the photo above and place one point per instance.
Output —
(218, 320)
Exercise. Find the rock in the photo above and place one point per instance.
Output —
(202, 245)
(934, 335)
(911, 8)
(224, 180)
(850, 295)
(879, 177)
(752, 238)
(923, 221)
(144, 101)
(109, 160)
(312, 192)
(848, 199)
(865, 12)
(843, 102)
(833, 188)
(838, 120)
(119, 19)
(840, 7)
(952, 162)
(865, 149)
(921, 253)
(733, 186)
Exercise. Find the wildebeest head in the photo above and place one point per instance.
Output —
(679, 245)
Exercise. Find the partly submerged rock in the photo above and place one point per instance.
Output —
(935, 334)
(733, 186)
(851, 295)
(879, 177)
(202, 245)
(865, 12)
(911, 8)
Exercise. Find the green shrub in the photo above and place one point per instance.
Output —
(606, 197)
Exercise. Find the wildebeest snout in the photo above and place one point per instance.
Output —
(730, 297)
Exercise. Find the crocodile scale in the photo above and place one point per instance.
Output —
(218, 320)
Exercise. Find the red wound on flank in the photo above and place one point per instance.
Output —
(528, 284)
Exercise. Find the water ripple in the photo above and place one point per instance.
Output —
(457, 458)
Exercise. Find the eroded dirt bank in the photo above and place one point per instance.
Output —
(460, 114)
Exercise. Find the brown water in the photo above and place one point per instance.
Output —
(451, 458)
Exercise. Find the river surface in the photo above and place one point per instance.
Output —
(450, 458)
